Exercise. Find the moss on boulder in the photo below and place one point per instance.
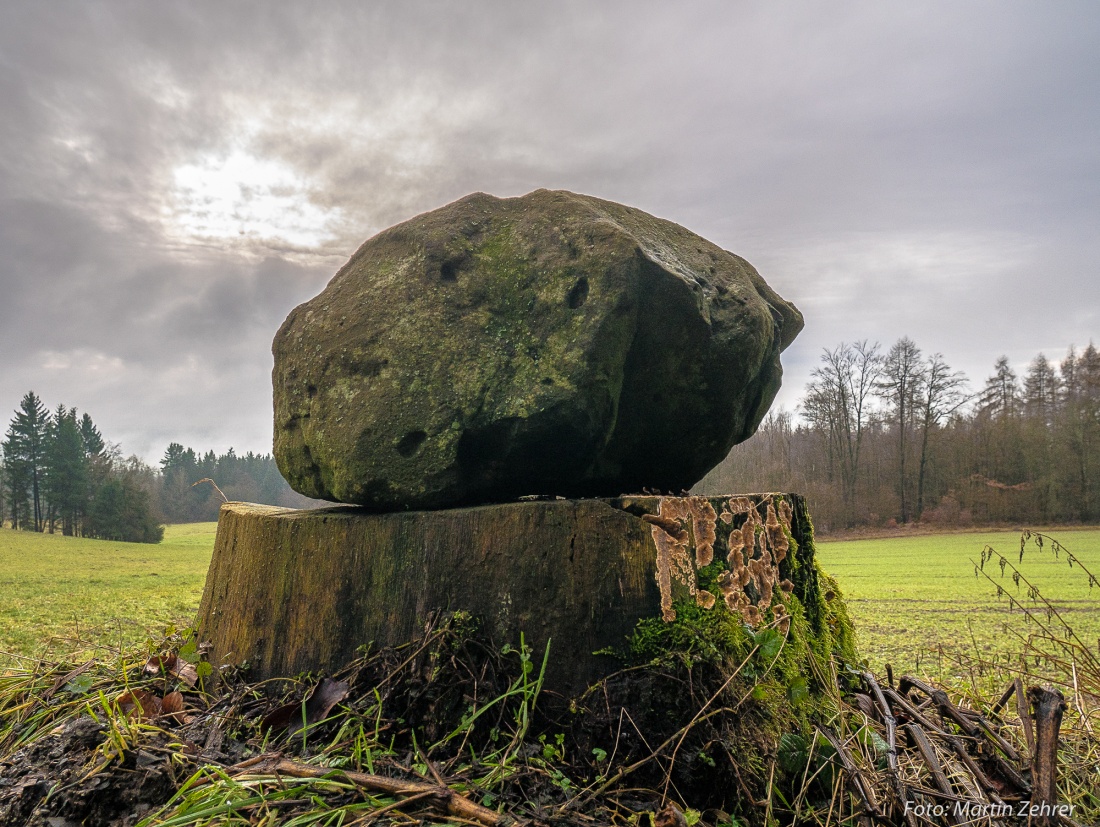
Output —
(553, 343)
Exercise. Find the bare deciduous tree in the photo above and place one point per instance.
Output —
(837, 403)
(899, 385)
(942, 394)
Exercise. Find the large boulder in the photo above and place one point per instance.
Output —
(549, 344)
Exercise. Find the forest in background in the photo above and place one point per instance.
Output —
(59, 475)
(879, 438)
(884, 438)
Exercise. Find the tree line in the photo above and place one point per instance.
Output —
(184, 497)
(58, 474)
(880, 437)
(895, 436)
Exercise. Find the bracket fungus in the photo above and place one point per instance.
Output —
(756, 547)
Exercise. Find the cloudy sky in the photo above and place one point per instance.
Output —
(175, 177)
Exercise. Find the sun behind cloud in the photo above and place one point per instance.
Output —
(242, 196)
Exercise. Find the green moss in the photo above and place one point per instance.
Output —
(789, 668)
(817, 594)
(800, 565)
(712, 636)
(777, 687)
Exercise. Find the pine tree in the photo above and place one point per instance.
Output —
(24, 450)
(17, 479)
(1001, 397)
(1079, 429)
(180, 502)
(66, 470)
(92, 439)
(122, 511)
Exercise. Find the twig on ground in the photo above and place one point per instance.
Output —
(441, 797)
(865, 791)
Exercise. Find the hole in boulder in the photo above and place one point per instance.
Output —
(578, 293)
(548, 381)
(448, 271)
(410, 443)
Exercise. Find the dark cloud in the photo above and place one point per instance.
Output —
(174, 178)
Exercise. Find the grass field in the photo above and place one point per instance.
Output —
(907, 596)
(58, 591)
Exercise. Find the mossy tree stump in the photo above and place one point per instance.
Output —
(301, 590)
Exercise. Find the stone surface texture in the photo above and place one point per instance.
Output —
(549, 344)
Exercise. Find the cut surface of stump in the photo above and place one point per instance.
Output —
(301, 590)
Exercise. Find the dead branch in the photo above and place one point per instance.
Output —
(1001, 701)
(891, 747)
(1025, 716)
(924, 746)
(956, 743)
(439, 797)
(865, 791)
(982, 730)
(1047, 707)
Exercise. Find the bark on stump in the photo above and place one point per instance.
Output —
(296, 590)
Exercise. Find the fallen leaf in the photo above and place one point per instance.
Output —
(186, 672)
(160, 663)
(280, 718)
(173, 665)
(316, 707)
(171, 706)
(139, 703)
(172, 703)
(670, 816)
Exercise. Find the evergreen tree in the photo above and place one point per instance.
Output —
(174, 457)
(94, 446)
(180, 502)
(1078, 431)
(1041, 391)
(1001, 397)
(17, 479)
(66, 470)
(122, 511)
(24, 451)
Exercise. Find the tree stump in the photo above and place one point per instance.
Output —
(301, 590)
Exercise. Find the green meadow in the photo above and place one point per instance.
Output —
(911, 596)
(908, 597)
(70, 595)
